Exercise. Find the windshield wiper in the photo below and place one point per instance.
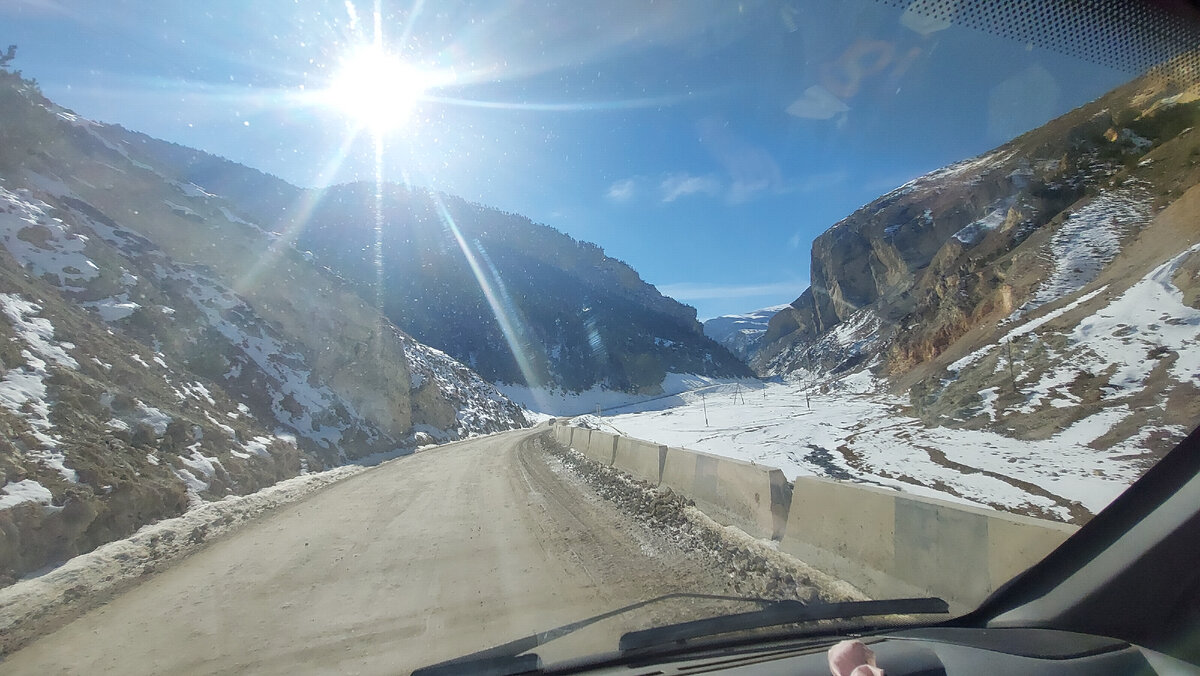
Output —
(778, 613)
(506, 658)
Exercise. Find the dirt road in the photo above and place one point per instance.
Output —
(421, 559)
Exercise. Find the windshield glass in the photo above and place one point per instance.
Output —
(360, 336)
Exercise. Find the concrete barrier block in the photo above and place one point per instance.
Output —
(752, 497)
(848, 532)
(943, 548)
(1017, 542)
(577, 439)
(679, 471)
(890, 544)
(601, 446)
(852, 522)
(562, 435)
(641, 459)
(886, 543)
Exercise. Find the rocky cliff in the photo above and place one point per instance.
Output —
(1016, 257)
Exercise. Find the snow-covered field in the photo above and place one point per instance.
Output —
(864, 437)
(559, 402)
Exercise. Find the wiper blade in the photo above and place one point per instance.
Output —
(506, 659)
(779, 612)
(502, 665)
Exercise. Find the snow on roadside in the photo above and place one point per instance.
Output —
(863, 438)
(112, 565)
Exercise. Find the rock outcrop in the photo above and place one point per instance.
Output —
(978, 289)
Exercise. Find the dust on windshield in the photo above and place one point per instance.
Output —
(365, 334)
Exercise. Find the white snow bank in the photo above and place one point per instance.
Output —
(864, 438)
(1149, 316)
(26, 490)
(42, 243)
(115, 308)
(557, 402)
(1090, 239)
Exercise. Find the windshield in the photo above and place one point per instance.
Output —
(361, 336)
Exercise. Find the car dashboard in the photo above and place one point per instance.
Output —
(929, 651)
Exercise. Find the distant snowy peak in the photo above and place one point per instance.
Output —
(718, 328)
(741, 334)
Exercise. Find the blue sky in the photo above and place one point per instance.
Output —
(706, 143)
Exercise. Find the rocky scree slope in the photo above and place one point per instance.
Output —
(157, 350)
(474, 281)
(1040, 284)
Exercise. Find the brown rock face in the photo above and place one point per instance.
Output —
(964, 246)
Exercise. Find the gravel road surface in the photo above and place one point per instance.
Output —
(421, 559)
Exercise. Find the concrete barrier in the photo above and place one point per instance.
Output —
(888, 543)
(562, 434)
(752, 497)
(600, 446)
(579, 439)
(641, 459)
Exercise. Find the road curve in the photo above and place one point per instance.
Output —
(421, 559)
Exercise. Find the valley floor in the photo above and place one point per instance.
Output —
(868, 438)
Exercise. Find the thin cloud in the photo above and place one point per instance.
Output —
(751, 169)
(701, 291)
(622, 190)
(817, 103)
(681, 185)
(48, 7)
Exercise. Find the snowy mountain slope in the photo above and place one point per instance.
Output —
(1050, 412)
(741, 334)
(580, 318)
(156, 350)
(1003, 292)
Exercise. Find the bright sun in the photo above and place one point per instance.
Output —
(377, 89)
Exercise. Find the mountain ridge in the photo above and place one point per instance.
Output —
(742, 334)
(473, 281)
(1002, 256)
(159, 350)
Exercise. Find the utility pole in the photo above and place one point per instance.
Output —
(704, 405)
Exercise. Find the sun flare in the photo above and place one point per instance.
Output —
(377, 89)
